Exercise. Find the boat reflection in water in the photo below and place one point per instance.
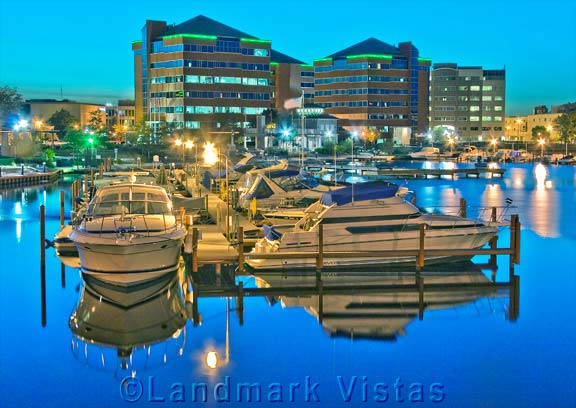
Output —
(130, 327)
(379, 305)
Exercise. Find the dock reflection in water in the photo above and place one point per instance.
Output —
(130, 328)
(368, 303)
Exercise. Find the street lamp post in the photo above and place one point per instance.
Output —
(541, 142)
(211, 156)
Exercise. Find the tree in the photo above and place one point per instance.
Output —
(539, 132)
(143, 134)
(10, 103)
(61, 120)
(95, 123)
(566, 125)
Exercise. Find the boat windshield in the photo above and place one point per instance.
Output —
(130, 202)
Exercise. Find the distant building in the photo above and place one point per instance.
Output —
(564, 108)
(43, 109)
(375, 85)
(122, 114)
(291, 78)
(520, 127)
(200, 74)
(469, 101)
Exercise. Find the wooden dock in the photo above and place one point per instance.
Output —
(28, 179)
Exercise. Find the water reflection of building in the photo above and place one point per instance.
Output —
(135, 327)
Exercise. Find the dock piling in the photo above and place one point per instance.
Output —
(43, 264)
(240, 249)
(420, 258)
(240, 304)
(61, 209)
(463, 207)
(320, 257)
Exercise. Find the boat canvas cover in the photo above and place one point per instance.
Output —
(360, 192)
(270, 233)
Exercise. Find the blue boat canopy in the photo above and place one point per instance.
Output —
(373, 190)
(270, 233)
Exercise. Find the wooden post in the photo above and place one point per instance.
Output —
(63, 275)
(73, 202)
(463, 207)
(493, 243)
(320, 286)
(493, 215)
(513, 236)
(420, 259)
(320, 256)
(420, 283)
(43, 264)
(194, 249)
(240, 308)
(514, 306)
(85, 185)
(61, 209)
(240, 249)
(517, 240)
(182, 214)
(195, 313)
(42, 236)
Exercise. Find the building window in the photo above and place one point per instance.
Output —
(474, 118)
(475, 88)
(474, 108)
(498, 108)
(486, 118)
(487, 88)
(486, 98)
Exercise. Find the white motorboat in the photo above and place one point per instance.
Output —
(368, 217)
(283, 191)
(428, 153)
(129, 234)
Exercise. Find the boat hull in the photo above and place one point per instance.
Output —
(126, 263)
(372, 245)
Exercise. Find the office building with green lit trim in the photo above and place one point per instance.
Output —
(200, 74)
(375, 85)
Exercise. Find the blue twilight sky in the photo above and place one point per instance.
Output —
(81, 50)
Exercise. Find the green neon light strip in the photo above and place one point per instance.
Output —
(307, 65)
(196, 36)
(137, 42)
(273, 63)
(323, 59)
(424, 59)
(254, 40)
(369, 56)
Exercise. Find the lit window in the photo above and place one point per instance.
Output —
(474, 108)
(474, 118)
(475, 88)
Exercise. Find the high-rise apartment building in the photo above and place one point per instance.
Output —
(200, 74)
(375, 85)
(468, 102)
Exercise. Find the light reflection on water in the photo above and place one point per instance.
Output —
(466, 344)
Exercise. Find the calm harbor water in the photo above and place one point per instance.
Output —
(370, 349)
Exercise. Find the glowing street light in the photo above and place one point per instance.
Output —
(494, 142)
(541, 142)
